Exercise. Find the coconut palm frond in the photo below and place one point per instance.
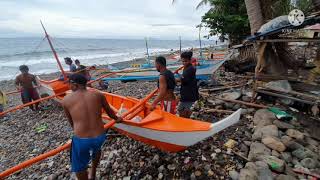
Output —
(202, 3)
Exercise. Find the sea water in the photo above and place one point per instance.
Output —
(36, 53)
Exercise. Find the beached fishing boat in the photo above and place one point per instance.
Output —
(157, 128)
(204, 72)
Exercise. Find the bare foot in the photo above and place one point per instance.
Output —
(90, 175)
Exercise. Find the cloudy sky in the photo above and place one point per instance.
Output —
(101, 18)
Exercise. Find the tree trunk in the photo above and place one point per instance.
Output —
(316, 4)
(254, 14)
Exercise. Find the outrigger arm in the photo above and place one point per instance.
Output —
(54, 52)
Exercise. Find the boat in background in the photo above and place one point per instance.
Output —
(205, 69)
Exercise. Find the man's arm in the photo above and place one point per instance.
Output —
(162, 91)
(34, 80)
(107, 108)
(69, 117)
(17, 83)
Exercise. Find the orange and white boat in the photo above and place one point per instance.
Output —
(157, 128)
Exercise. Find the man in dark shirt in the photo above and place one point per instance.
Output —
(166, 85)
(189, 89)
(81, 69)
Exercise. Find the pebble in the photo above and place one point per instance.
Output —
(234, 175)
(217, 151)
(295, 134)
(171, 167)
(309, 163)
(274, 143)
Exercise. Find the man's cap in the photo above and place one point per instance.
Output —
(78, 79)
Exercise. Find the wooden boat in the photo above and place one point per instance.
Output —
(157, 128)
(204, 71)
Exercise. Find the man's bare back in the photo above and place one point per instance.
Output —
(85, 109)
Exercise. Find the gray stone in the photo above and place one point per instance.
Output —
(309, 163)
(263, 114)
(248, 143)
(161, 168)
(250, 165)
(285, 177)
(312, 141)
(263, 171)
(303, 153)
(274, 163)
(286, 156)
(295, 134)
(263, 117)
(160, 176)
(234, 175)
(282, 125)
(293, 145)
(274, 143)
(248, 174)
(286, 140)
(258, 149)
(275, 153)
(270, 130)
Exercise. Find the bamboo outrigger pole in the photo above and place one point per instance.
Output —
(54, 52)
(68, 144)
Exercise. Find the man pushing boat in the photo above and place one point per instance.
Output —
(25, 83)
(166, 85)
(83, 109)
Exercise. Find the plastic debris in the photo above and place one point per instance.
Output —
(230, 143)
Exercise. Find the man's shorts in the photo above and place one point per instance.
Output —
(27, 95)
(83, 150)
(185, 106)
(169, 106)
(1, 108)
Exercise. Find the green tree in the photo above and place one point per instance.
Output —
(227, 19)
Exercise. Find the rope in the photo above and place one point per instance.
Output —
(37, 47)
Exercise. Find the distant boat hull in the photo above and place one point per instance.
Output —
(204, 71)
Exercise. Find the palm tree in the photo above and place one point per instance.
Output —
(316, 4)
(254, 14)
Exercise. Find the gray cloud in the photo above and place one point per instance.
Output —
(103, 18)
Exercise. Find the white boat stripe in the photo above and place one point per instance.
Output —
(181, 138)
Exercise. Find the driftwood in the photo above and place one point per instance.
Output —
(223, 88)
(218, 111)
(237, 101)
(286, 97)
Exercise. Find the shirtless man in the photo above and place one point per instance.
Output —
(166, 85)
(25, 84)
(83, 109)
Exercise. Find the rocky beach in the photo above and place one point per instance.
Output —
(260, 146)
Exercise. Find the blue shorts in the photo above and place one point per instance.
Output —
(83, 150)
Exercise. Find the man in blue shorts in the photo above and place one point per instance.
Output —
(83, 109)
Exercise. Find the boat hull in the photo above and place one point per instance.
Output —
(204, 71)
(157, 128)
